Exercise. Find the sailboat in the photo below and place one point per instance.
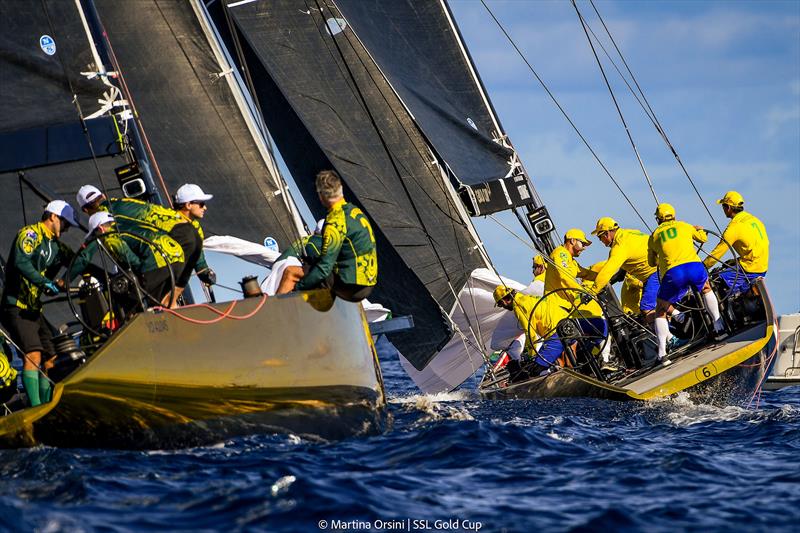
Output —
(144, 91)
(387, 94)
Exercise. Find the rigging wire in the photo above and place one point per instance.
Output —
(357, 91)
(654, 118)
(74, 93)
(616, 104)
(564, 113)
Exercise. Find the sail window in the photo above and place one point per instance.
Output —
(336, 25)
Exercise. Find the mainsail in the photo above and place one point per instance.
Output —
(192, 111)
(49, 72)
(327, 104)
(420, 52)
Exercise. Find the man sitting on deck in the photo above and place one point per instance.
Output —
(748, 236)
(538, 322)
(672, 250)
(35, 258)
(348, 261)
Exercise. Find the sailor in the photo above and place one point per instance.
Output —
(288, 267)
(538, 322)
(672, 250)
(630, 295)
(628, 251)
(133, 252)
(748, 236)
(151, 221)
(536, 288)
(35, 258)
(348, 261)
(563, 273)
(190, 204)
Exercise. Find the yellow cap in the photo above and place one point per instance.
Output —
(665, 212)
(732, 198)
(575, 233)
(605, 224)
(539, 260)
(500, 292)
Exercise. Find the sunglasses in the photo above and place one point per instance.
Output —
(200, 204)
(64, 222)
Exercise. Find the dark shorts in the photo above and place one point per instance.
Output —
(549, 351)
(28, 330)
(649, 292)
(679, 279)
(186, 235)
(739, 281)
(157, 283)
(350, 292)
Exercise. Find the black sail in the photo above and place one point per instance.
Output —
(327, 104)
(45, 59)
(419, 49)
(191, 120)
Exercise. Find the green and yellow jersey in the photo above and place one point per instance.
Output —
(748, 236)
(309, 247)
(629, 251)
(671, 244)
(35, 258)
(133, 251)
(348, 249)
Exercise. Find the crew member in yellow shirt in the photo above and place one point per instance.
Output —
(748, 236)
(538, 319)
(536, 288)
(672, 250)
(563, 274)
(628, 251)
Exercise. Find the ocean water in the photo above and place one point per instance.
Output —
(451, 462)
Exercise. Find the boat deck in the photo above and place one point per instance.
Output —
(704, 363)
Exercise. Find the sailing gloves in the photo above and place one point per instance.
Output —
(207, 276)
(50, 288)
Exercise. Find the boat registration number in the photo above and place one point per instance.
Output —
(157, 326)
(705, 372)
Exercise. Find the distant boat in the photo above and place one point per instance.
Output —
(155, 94)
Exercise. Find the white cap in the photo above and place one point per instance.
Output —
(87, 194)
(62, 209)
(320, 225)
(98, 219)
(191, 193)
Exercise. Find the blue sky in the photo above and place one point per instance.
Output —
(723, 79)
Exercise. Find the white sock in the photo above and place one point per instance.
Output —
(678, 316)
(663, 334)
(713, 308)
(606, 353)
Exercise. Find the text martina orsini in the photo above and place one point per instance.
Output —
(408, 524)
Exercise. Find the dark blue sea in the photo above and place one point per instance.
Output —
(446, 463)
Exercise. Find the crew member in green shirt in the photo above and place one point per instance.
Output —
(348, 262)
(35, 258)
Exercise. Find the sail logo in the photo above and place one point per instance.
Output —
(271, 244)
(47, 44)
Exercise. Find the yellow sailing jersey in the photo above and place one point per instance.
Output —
(631, 295)
(542, 318)
(561, 275)
(748, 236)
(671, 244)
(628, 251)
